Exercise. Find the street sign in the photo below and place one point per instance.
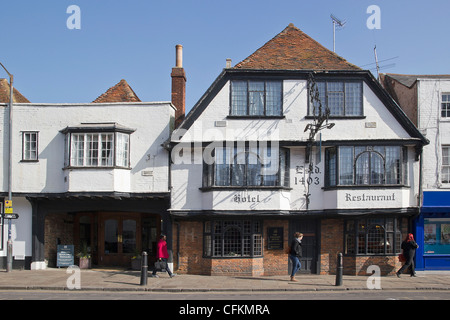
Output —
(8, 207)
(10, 215)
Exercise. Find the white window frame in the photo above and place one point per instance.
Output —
(445, 165)
(30, 147)
(445, 101)
(99, 149)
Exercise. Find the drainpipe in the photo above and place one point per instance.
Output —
(9, 243)
(419, 196)
(178, 243)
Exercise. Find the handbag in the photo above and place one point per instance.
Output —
(401, 258)
(160, 265)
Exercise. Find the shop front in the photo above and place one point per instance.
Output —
(115, 238)
(433, 232)
(111, 229)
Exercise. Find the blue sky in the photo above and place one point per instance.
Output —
(135, 40)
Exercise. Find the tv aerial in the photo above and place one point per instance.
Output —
(336, 23)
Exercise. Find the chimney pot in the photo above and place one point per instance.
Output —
(179, 56)
(228, 65)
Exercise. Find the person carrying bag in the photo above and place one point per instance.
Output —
(409, 247)
(161, 258)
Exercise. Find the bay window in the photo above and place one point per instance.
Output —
(372, 236)
(244, 165)
(97, 148)
(232, 238)
(365, 165)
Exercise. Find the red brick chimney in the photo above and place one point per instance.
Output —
(179, 86)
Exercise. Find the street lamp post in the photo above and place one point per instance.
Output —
(9, 243)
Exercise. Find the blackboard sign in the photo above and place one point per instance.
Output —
(64, 256)
(275, 238)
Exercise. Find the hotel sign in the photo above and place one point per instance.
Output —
(275, 238)
(246, 198)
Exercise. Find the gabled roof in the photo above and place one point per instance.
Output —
(121, 92)
(5, 94)
(292, 49)
(294, 55)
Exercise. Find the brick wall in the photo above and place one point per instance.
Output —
(274, 262)
(57, 226)
(191, 248)
(332, 242)
(178, 93)
(332, 231)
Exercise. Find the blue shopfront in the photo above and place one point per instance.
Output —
(432, 228)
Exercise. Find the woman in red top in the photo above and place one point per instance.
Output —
(162, 255)
(409, 247)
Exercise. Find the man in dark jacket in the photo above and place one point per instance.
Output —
(409, 247)
(296, 253)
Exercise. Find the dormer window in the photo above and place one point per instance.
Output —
(98, 145)
(251, 98)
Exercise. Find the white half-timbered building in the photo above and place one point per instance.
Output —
(293, 138)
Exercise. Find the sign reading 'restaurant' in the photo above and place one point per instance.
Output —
(369, 197)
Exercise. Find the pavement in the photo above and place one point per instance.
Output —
(128, 280)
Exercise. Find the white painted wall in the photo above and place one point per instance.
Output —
(150, 120)
(435, 128)
(187, 178)
(148, 171)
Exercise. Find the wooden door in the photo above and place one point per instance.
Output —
(309, 243)
(119, 238)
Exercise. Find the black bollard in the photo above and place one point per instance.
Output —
(339, 270)
(144, 269)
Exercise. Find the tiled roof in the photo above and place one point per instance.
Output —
(121, 92)
(292, 49)
(409, 79)
(5, 94)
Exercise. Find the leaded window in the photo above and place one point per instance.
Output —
(256, 98)
(343, 98)
(372, 236)
(365, 165)
(233, 238)
(242, 165)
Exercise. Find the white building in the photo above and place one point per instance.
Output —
(92, 173)
(426, 100)
(245, 173)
